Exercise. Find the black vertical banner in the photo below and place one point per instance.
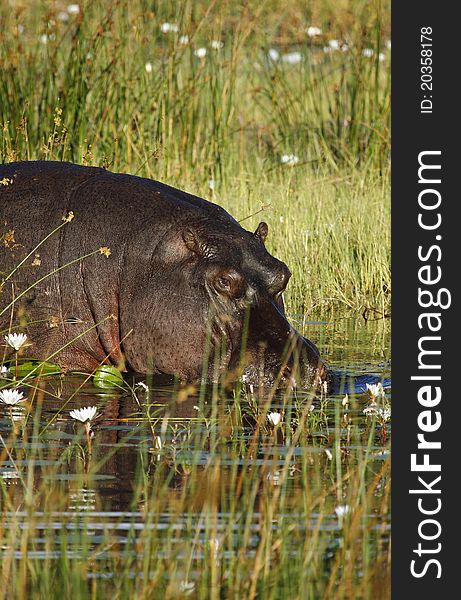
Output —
(426, 328)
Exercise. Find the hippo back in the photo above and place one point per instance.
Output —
(129, 215)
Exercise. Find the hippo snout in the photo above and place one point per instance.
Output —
(304, 365)
(287, 359)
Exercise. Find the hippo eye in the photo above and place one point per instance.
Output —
(224, 284)
(229, 282)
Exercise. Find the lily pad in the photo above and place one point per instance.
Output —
(35, 368)
(107, 376)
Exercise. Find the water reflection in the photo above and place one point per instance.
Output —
(145, 441)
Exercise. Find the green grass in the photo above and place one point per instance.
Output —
(85, 95)
(239, 511)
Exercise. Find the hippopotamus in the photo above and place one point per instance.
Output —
(144, 276)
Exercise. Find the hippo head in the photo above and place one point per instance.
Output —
(209, 304)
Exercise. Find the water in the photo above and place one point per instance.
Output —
(197, 469)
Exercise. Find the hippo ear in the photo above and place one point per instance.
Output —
(261, 232)
(196, 244)
(191, 241)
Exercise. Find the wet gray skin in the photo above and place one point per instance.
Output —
(185, 284)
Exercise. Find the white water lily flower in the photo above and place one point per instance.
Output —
(273, 54)
(292, 58)
(381, 56)
(16, 340)
(274, 418)
(342, 510)
(289, 159)
(375, 390)
(148, 67)
(313, 31)
(200, 52)
(334, 44)
(84, 414)
(11, 397)
(73, 9)
(169, 27)
(4, 371)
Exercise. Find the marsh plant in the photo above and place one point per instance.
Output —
(305, 142)
(273, 110)
(237, 495)
(232, 509)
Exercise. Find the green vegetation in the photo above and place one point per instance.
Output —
(217, 507)
(108, 86)
(274, 122)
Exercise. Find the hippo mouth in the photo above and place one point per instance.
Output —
(252, 377)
